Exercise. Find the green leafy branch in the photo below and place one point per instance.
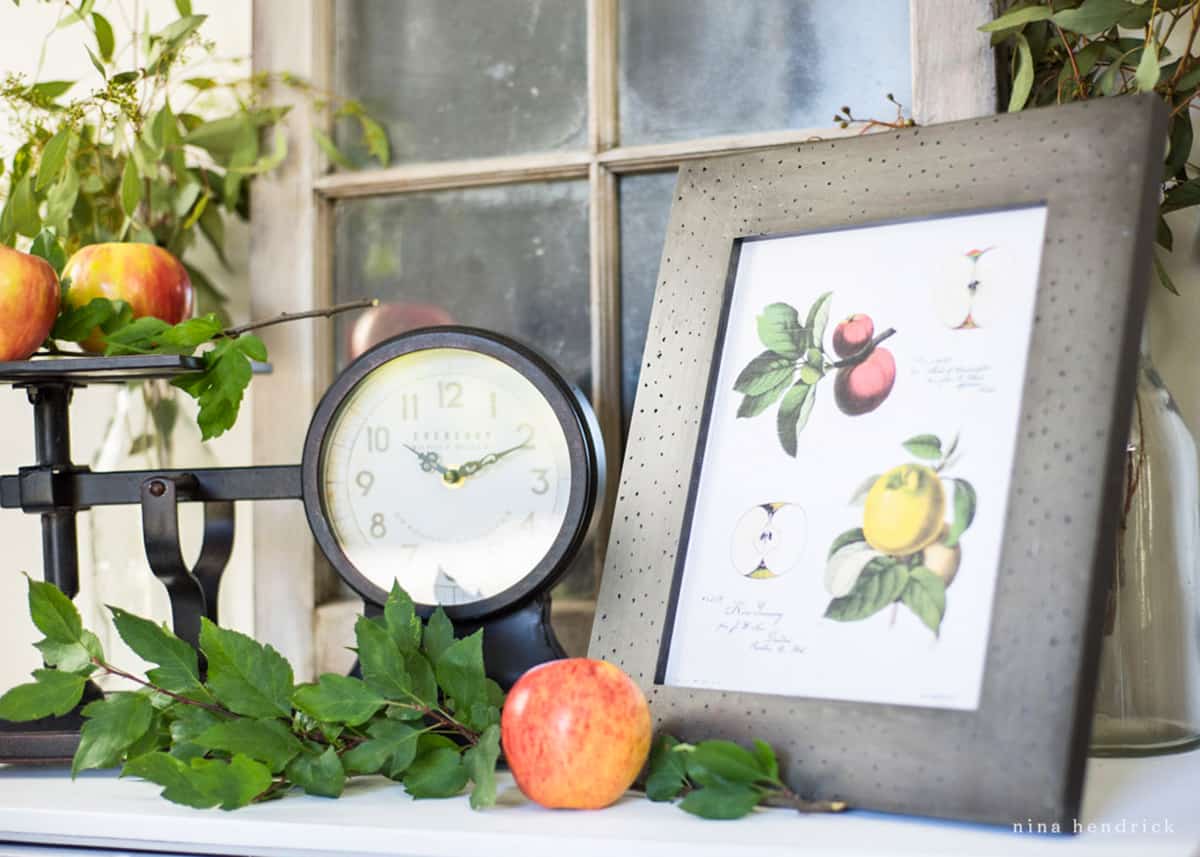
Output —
(722, 780)
(423, 714)
(1073, 50)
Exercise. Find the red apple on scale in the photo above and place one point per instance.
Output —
(575, 733)
(148, 278)
(29, 298)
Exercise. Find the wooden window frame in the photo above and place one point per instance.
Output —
(953, 77)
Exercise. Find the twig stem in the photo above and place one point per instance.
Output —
(325, 312)
(111, 670)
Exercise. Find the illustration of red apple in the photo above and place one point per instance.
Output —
(575, 733)
(852, 334)
(862, 387)
(148, 278)
(29, 299)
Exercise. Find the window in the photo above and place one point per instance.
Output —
(534, 146)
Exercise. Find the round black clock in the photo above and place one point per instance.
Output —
(457, 463)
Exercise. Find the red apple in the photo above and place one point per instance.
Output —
(29, 299)
(861, 388)
(852, 334)
(575, 733)
(148, 278)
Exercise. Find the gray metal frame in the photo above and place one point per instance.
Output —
(1021, 755)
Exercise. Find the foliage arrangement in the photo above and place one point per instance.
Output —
(135, 159)
(1071, 50)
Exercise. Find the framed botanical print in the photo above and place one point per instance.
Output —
(867, 506)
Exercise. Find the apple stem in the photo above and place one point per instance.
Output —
(863, 353)
(325, 312)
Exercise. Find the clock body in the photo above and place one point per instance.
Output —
(457, 463)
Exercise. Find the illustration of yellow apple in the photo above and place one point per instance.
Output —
(904, 510)
(941, 559)
(769, 540)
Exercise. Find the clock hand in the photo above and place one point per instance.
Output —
(470, 468)
(430, 461)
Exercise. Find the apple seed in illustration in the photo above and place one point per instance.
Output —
(768, 540)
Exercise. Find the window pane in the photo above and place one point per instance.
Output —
(462, 80)
(645, 202)
(696, 68)
(512, 259)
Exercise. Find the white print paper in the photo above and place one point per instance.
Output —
(848, 521)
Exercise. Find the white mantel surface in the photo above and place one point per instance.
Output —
(376, 817)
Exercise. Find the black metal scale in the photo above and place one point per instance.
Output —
(517, 630)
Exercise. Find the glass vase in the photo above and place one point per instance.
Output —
(146, 432)
(1148, 696)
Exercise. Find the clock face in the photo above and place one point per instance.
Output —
(445, 470)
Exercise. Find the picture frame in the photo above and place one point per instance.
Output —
(998, 731)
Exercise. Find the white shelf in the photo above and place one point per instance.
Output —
(376, 817)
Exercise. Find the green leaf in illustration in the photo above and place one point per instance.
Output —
(112, 725)
(1018, 18)
(926, 446)
(381, 661)
(879, 584)
(480, 762)
(793, 415)
(318, 772)
(752, 406)
(847, 538)
(439, 634)
(338, 699)
(780, 330)
(460, 672)
(54, 156)
(667, 773)
(764, 373)
(266, 740)
(53, 694)
(810, 374)
(53, 613)
(864, 488)
(177, 669)
(247, 677)
(75, 657)
(403, 623)
(1023, 79)
(964, 511)
(925, 595)
(389, 751)
(436, 773)
(721, 802)
(818, 318)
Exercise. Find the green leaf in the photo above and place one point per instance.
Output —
(764, 754)
(75, 657)
(54, 156)
(764, 373)
(435, 774)
(184, 7)
(390, 750)
(54, 693)
(319, 774)
(189, 335)
(480, 762)
(1190, 79)
(60, 202)
(726, 760)
(105, 40)
(1181, 145)
(439, 634)
(721, 801)
(131, 188)
(1163, 236)
(338, 699)
(1164, 277)
(201, 84)
(24, 208)
(186, 723)
(1183, 195)
(177, 670)
(219, 389)
(793, 415)
(1095, 16)
(246, 676)
(46, 246)
(375, 138)
(1146, 76)
(780, 330)
(203, 783)
(847, 538)
(667, 773)
(424, 684)
(460, 671)
(140, 336)
(49, 90)
(926, 446)
(222, 137)
(178, 30)
(879, 584)
(266, 740)
(331, 150)
(112, 725)
(53, 613)
(964, 511)
(1023, 77)
(402, 620)
(1018, 18)
(76, 324)
(818, 318)
(381, 661)
(925, 595)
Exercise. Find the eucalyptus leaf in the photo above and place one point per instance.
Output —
(105, 40)
(54, 157)
(1146, 76)
(1018, 18)
(1023, 78)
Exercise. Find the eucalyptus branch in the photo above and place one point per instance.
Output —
(326, 312)
(1079, 84)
